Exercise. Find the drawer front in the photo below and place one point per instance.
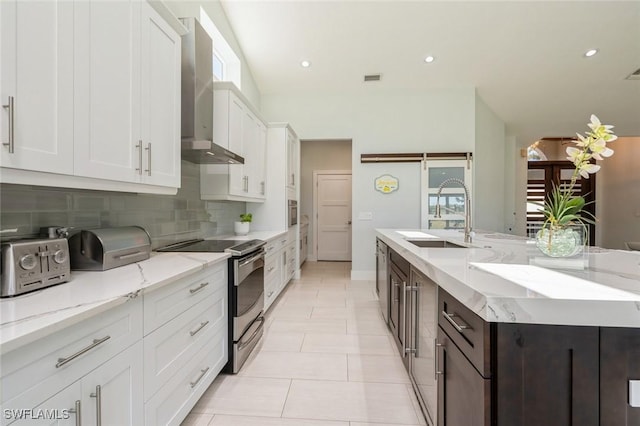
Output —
(172, 403)
(399, 262)
(56, 361)
(171, 300)
(272, 246)
(271, 268)
(467, 330)
(167, 349)
(271, 291)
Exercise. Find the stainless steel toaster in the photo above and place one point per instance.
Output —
(107, 248)
(33, 264)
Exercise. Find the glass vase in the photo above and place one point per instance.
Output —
(560, 242)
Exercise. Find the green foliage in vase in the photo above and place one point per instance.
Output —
(562, 208)
(246, 217)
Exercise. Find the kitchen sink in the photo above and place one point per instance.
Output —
(435, 244)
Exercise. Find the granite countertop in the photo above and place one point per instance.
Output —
(504, 278)
(28, 317)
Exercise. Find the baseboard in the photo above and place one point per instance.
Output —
(363, 275)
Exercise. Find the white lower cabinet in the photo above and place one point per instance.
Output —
(122, 367)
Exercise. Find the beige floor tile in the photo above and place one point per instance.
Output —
(223, 420)
(303, 300)
(297, 365)
(363, 402)
(416, 404)
(197, 420)
(284, 310)
(377, 369)
(364, 314)
(348, 344)
(280, 342)
(371, 326)
(312, 325)
(380, 424)
(251, 396)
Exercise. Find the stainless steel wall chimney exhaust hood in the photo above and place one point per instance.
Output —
(197, 99)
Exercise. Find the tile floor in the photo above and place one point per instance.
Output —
(326, 359)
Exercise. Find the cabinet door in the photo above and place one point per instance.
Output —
(112, 393)
(259, 181)
(36, 60)
(61, 409)
(398, 314)
(291, 160)
(236, 171)
(422, 334)
(107, 91)
(546, 375)
(619, 363)
(463, 394)
(160, 65)
(249, 136)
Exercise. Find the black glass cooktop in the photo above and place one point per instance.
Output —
(236, 247)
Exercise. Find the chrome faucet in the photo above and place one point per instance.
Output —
(467, 208)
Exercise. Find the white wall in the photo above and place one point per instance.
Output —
(489, 170)
(318, 155)
(382, 121)
(618, 195)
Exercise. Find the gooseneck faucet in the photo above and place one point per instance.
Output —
(467, 209)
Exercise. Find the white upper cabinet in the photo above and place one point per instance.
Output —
(127, 94)
(96, 95)
(36, 84)
(107, 90)
(238, 128)
(292, 165)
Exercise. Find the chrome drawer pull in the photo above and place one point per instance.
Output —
(200, 327)
(459, 327)
(98, 396)
(271, 268)
(78, 412)
(148, 149)
(202, 373)
(96, 342)
(11, 143)
(139, 146)
(438, 347)
(197, 289)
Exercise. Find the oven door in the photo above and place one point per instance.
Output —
(248, 291)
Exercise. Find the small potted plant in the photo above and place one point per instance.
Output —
(242, 227)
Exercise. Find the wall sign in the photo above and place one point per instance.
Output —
(386, 184)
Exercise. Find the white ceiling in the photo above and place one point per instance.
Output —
(524, 58)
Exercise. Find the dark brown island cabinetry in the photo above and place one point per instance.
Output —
(511, 374)
(398, 270)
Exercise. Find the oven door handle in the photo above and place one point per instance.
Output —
(250, 339)
(251, 259)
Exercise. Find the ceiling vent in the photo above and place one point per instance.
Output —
(634, 75)
(372, 77)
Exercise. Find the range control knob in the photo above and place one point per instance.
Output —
(28, 262)
(60, 256)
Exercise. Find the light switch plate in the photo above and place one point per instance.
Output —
(365, 216)
(634, 393)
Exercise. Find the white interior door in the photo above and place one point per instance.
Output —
(333, 201)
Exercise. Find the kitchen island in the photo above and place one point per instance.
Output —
(494, 333)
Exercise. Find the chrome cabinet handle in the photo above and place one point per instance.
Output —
(96, 342)
(98, 396)
(148, 149)
(437, 351)
(12, 115)
(200, 327)
(404, 317)
(396, 286)
(197, 289)
(293, 179)
(196, 381)
(78, 412)
(269, 294)
(262, 186)
(139, 146)
(459, 327)
(271, 268)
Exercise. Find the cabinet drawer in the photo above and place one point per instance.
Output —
(399, 262)
(171, 404)
(168, 348)
(58, 360)
(467, 330)
(271, 268)
(171, 300)
(271, 291)
(272, 246)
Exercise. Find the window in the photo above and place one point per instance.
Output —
(452, 196)
(226, 64)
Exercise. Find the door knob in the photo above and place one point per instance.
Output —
(349, 223)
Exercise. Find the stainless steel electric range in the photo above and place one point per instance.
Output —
(246, 292)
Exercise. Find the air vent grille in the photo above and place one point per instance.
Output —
(634, 75)
(372, 77)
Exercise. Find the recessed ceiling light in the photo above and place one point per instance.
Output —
(589, 53)
(305, 64)
(429, 59)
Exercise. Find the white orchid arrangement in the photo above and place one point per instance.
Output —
(562, 208)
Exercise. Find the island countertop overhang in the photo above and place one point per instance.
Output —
(612, 279)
